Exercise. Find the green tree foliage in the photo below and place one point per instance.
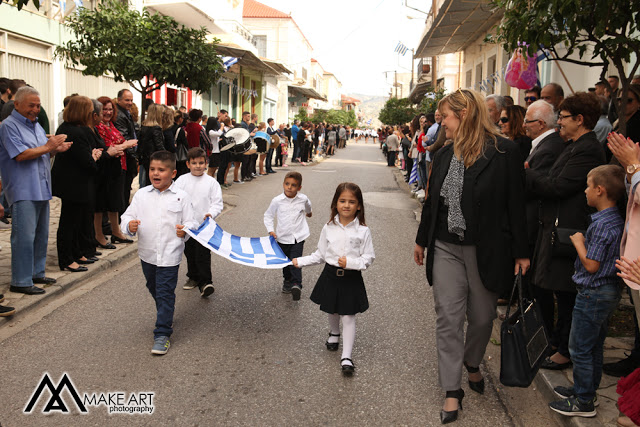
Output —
(335, 117)
(429, 103)
(599, 31)
(21, 3)
(302, 115)
(397, 111)
(146, 50)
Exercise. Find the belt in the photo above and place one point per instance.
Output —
(340, 272)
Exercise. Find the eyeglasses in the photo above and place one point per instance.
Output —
(526, 122)
(530, 98)
(561, 117)
(504, 119)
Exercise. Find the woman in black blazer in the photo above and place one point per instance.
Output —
(561, 194)
(72, 178)
(474, 228)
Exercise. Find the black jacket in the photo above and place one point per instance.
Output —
(151, 140)
(561, 194)
(73, 173)
(499, 206)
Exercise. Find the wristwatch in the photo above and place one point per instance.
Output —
(631, 169)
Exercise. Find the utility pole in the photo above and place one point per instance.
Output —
(413, 53)
(396, 82)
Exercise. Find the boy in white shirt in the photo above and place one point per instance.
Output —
(290, 208)
(159, 213)
(206, 197)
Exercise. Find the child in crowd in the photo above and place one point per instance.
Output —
(284, 147)
(290, 208)
(206, 197)
(159, 212)
(346, 248)
(596, 281)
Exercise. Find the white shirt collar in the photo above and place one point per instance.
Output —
(171, 188)
(355, 221)
(536, 141)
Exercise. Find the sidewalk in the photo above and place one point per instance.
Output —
(546, 380)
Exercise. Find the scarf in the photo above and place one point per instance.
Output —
(452, 193)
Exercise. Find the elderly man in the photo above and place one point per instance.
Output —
(553, 94)
(124, 123)
(495, 104)
(25, 163)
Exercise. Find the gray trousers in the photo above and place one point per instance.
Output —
(458, 292)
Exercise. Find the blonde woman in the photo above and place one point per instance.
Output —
(167, 126)
(473, 224)
(150, 140)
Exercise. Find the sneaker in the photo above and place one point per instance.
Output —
(160, 345)
(567, 392)
(572, 407)
(206, 290)
(6, 311)
(296, 290)
(238, 182)
(621, 368)
(190, 284)
(286, 287)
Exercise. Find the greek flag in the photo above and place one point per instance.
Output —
(413, 176)
(228, 61)
(260, 252)
(401, 49)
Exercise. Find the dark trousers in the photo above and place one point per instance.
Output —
(245, 171)
(198, 262)
(296, 150)
(559, 334)
(279, 155)
(132, 171)
(408, 163)
(161, 283)
(304, 157)
(267, 161)
(391, 157)
(290, 273)
(254, 161)
(225, 158)
(75, 237)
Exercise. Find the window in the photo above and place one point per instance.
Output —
(304, 73)
(261, 44)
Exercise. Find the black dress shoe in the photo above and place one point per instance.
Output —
(621, 368)
(477, 386)
(115, 239)
(96, 253)
(447, 417)
(553, 366)
(29, 290)
(332, 346)
(6, 311)
(93, 258)
(85, 261)
(107, 246)
(347, 370)
(43, 281)
(74, 270)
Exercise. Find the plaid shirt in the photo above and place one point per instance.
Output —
(603, 245)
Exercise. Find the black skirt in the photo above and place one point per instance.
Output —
(344, 295)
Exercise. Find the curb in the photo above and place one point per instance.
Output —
(68, 282)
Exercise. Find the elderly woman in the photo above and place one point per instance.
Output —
(563, 204)
(111, 176)
(473, 224)
(72, 178)
(512, 125)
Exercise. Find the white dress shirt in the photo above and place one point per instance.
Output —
(159, 213)
(205, 193)
(336, 240)
(291, 212)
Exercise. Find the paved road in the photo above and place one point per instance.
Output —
(249, 355)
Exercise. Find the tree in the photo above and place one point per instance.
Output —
(397, 111)
(605, 30)
(142, 49)
(21, 3)
(429, 103)
(302, 115)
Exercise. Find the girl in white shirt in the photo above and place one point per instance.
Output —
(346, 248)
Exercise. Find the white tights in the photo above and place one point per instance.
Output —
(348, 333)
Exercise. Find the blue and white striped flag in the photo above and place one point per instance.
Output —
(401, 49)
(413, 176)
(228, 61)
(261, 252)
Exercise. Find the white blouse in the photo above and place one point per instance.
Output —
(353, 241)
(214, 136)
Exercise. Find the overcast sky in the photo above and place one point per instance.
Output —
(355, 39)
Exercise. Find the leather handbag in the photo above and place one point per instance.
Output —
(181, 150)
(524, 341)
(561, 240)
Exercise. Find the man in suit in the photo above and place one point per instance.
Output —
(125, 125)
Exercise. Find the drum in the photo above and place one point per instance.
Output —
(262, 140)
(253, 149)
(275, 141)
(238, 140)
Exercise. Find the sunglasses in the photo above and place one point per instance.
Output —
(504, 120)
(530, 98)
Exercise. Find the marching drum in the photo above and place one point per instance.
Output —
(275, 141)
(237, 141)
(262, 140)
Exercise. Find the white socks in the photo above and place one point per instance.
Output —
(334, 328)
(348, 336)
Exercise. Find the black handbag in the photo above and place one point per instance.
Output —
(524, 342)
(561, 240)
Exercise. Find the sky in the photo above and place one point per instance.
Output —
(355, 39)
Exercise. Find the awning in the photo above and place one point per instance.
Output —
(184, 12)
(456, 25)
(277, 66)
(419, 91)
(307, 92)
(246, 58)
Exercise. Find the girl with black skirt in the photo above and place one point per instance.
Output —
(346, 247)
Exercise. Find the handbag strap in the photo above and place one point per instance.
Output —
(516, 284)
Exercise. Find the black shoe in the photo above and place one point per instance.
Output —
(96, 253)
(29, 290)
(206, 290)
(5, 220)
(93, 258)
(286, 287)
(553, 366)
(74, 270)
(296, 291)
(621, 368)
(43, 281)
(572, 407)
(1, 298)
(85, 261)
(6, 311)
(107, 246)
(332, 346)
(115, 239)
(447, 417)
(477, 386)
(347, 370)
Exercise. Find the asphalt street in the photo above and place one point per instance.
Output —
(249, 355)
